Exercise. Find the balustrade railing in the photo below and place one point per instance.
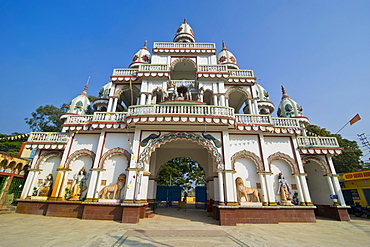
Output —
(182, 83)
(285, 122)
(84, 119)
(122, 72)
(266, 119)
(182, 109)
(109, 116)
(153, 67)
(310, 141)
(54, 137)
(241, 73)
(184, 45)
(212, 68)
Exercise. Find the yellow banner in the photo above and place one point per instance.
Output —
(350, 176)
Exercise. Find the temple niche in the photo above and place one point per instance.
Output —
(193, 100)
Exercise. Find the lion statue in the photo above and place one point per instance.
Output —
(243, 191)
(115, 188)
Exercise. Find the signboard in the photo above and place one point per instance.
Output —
(360, 175)
(333, 197)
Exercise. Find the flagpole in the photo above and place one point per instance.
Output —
(342, 127)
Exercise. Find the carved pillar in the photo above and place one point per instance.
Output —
(270, 188)
(305, 190)
(222, 100)
(143, 99)
(331, 188)
(110, 104)
(300, 191)
(33, 181)
(221, 193)
(264, 197)
(338, 190)
(149, 99)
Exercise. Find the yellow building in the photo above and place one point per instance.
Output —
(356, 187)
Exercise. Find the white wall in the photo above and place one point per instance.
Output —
(85, 141)
(317, 184)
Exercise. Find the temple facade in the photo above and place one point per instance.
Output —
(184, 99)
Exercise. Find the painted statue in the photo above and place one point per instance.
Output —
(46, 188)
(244, 191)
(284, 191)
(79, 184)
(114, 188)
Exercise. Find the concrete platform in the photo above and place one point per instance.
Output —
(178, 228)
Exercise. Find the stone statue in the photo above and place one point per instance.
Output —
(46, 189)
(284, 191)
(243, 191)
(115, 188)
(78, 185)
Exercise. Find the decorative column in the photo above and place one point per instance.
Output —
(331, 188)
(300, 192)
(222, 100)
(143, 99)
(33, 182)
(114, 108)
(338, 190)
(255, 106)
(149, 100)
(110, 103)
(133, 170)
(305, 190)
(230, 188)
(264, 198)
(221, 189)
(227, 102)
(63, 184)
(270, 188)
(215, 99)
(250, 106)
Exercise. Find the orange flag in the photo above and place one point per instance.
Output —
(354, 119)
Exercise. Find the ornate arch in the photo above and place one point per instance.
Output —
(115, 151)
(286, 158)
(240, 89)
(144, 157)
(126, 88)
(45, 156)
(77, 154)
(317, 160)
(183, 59)
(247, 154)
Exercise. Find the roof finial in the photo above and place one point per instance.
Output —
(86, 86)
(145, 43)
(284, 93)
(184, 20)
(223, 45)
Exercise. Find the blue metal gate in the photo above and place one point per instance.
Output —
(201, 197)
(168, 194)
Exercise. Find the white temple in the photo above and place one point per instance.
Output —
(184, 99)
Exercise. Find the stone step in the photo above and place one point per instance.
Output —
(7, 209)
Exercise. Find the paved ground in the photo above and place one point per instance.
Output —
(177, 228)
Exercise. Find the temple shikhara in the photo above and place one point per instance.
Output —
(184, 99)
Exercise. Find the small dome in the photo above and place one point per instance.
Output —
(288, 107)
(80, 104)
(227, 58)
(265, 106)
(184, 33)
(141, 57)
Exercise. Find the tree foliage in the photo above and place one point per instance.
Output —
(349, 160)
(182, 172)
(10, 146)
(46, 118)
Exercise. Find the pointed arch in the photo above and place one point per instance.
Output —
(45, 156)
(247, 154)
(115, 151)
(182, 59)
(154, 144)
(325, 167)
(77, 154)
(239, 89)
(286, 158)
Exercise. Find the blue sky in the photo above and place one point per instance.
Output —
(319, 50)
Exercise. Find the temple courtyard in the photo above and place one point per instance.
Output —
(170, 227)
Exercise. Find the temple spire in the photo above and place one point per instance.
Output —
(86, 86)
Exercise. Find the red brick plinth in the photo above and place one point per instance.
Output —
(232, 215)
(32, 207)
(96, 211)
(67, 209)
(131, 213)
(333, 212)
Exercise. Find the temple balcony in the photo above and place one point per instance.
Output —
(266, 120)
(47, 140)
(178, 45)
(318, 145)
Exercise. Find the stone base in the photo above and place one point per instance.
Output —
(232, 215)
(40, 198)
(333, 212)
(109, 200)
(251, 204)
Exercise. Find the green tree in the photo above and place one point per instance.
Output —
(46, 118)
(349, 160)
(12, 146)
(182, 172)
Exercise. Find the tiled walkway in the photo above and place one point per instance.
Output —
(177, 228)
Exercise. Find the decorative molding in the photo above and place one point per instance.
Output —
(286, 158)
(115, 151)
(247, 154)
(77, 154)
(45, 156)
(154, 144)
(325, 167)
(239, 89)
